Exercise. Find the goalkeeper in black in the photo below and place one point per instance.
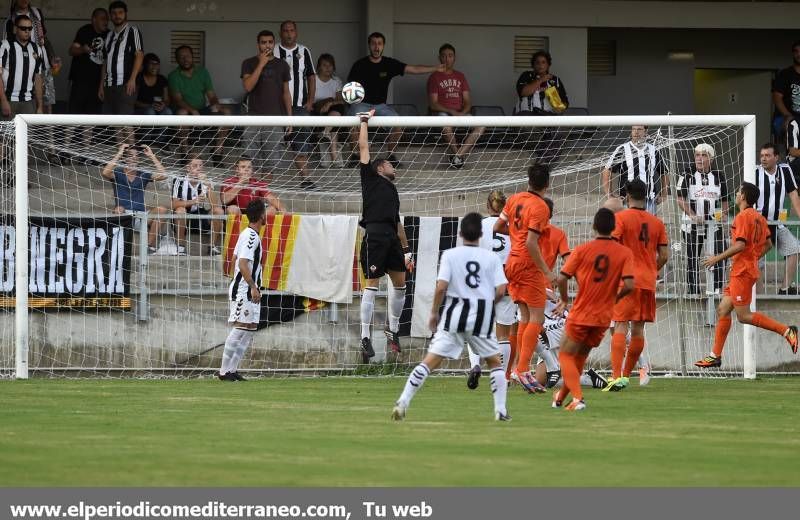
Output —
(384, 250)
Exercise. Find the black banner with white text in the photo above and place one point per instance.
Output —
(79, 262)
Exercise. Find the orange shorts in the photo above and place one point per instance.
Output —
(740, 290)
(639, 305)
(526, 284)
(589, 335)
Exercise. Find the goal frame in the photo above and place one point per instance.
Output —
(23, 122)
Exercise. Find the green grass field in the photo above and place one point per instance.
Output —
(337, 432)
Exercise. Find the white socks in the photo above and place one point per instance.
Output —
(550, 359)
(499, 390)
(367, 307)
(505, 353)
(474, 359)
(397, 299)
(413, 384)
(231, 349)
(244, 344)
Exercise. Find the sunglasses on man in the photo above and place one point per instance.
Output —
(25, 27)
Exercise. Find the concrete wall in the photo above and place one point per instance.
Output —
(488, 67)
(180, 335)
(648, 82)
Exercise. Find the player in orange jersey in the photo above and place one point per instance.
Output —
(526, 220)
(750, 239)
(646, 236)
(598, 266)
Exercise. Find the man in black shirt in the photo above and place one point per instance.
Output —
(786, 92)
(384, 249)
(375, 73)
(87, 53)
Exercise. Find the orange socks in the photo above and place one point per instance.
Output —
(721, 334)
(765, 322)
(571, 373)
(527, 340)
(617, 354)
(634, 351)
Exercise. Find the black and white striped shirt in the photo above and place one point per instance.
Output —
(705, 192)
(20, 64)
(643, 161)
(774, 189)
(121, 49)
(792, 137)
(472, 274)
(184, 188)
(248, 247)
(301, 66)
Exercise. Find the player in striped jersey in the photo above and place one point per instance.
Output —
(751, 240)
(470, 281)
(505, 309)
(244, 292)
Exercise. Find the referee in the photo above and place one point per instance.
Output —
(384, 249)
(775, 181)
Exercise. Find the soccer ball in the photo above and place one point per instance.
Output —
(353, 92)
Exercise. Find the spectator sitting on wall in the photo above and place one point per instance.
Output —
(329, 102)
(238, 191)
(151, 87)
(130, 182)
(448, 95)
(532, 85)
(192, 194)
(192, 93)
(375, 72)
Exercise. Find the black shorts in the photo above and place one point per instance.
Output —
(83, 99)
(381, 252)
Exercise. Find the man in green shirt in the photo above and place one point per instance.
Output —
(192, 93)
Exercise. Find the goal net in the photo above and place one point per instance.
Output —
(145, 292)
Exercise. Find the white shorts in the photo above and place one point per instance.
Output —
(451, 344)
(243, 310)
(505, 311)
(787, 244)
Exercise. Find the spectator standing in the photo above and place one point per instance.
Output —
(266, 80)
(703, 197)
(329, 102)
(192, 93)
(21, 64)
(532, 86)
(21, 61)
(449, 95)
(51, 63)
(786, 93)
(123, 62)
(375, 73)
(302, 87)
(775, 180)
(793, 147)
(130, 183)
(637, 159)
(85, 74)
(241, 189)
(152, 92)
(192, 194)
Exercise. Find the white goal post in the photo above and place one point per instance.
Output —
(445, 193)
